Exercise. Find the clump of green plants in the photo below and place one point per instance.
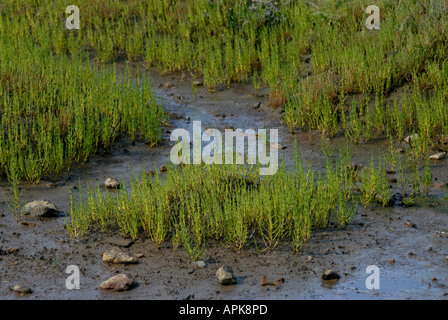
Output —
(233, 204)
(352, 70)
(55, 111)
(228, 203)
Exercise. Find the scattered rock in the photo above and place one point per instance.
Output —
(139, 255)
(399, 150)
(163, 169)
(411, 224)
(225, 275)
(309, 258)
(197, 83)
(392, 179)
(111, 183)
(439, 185)
(120, 282)
(115, 255)
(41, 208)
(256, 106)
(187, 118)
(411, 253)
(390, 171)
(12, 250)
(22, 289)
(437, 156)
(330, 275)
(200, 264)
(391, 260)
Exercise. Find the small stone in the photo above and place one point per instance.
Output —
(41, 208)
(390, 171)
(22, 289)
(115, 255)
(410, 224)
(330, 275)
(309, 258)
(139, 255)
(225, 275)
(437, 156)
(200, 264)
(12, 250)
(120, 282)
(197, 83)
(111, 183)
(168, 85)
(392, 179)
(391, 260)
(187, 118)
(411, 253)
(163, 168)
(256, 106)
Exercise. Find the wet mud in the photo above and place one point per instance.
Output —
(412, 261)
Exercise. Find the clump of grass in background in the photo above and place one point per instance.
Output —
(352, 72)
(56, 112)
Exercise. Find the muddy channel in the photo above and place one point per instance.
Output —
(412, 261)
